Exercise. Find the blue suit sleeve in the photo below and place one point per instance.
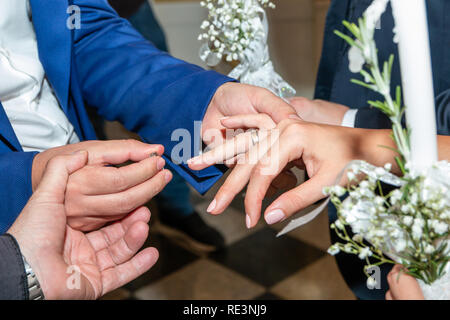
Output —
(15, 178)
(129, 80)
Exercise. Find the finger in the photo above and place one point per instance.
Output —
(235, 183)
(267, 170)
(54, 181)
(238, 177)
(124, 248)
(275, 107)
(120, 151)
(120, 275)
(389, 295)
(226, 151)
(297, 199)
(259, 121)
(128, 200)
(105, 180)
(102, 238)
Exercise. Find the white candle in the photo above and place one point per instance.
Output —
(415, 62)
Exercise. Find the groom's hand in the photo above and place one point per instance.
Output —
(319, 111)
(100, 192)
(236, 99)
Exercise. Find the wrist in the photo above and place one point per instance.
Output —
(376, 147)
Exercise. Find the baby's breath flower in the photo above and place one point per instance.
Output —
(408, 220)
(333, 250)
(429, 249)
(364, 253)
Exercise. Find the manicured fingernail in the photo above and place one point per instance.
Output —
(248, 222)
(275, 216)
(295, 117)
(211, 206)
(168, 176)
(160, 163)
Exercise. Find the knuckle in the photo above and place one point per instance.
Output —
(294, 200)
(119, 182)
(124, 204)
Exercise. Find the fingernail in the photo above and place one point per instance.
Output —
(248, 222)
(211, 206)
(275, 216)
(168, 176)
(224, 118)
(160, 163)
(295, 117)
(153, 154)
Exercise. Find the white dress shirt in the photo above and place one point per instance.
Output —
(25, 93)
(349, 118)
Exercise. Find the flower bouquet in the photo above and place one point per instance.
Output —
(237, 30)
(410, 224)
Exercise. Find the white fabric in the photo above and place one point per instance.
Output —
(349, 118)
(26, 96)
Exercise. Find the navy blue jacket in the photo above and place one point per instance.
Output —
(333, 84)
(108, 65)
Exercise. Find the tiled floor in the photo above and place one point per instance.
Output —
(255, 264)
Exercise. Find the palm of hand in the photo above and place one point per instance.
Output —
(104, 259)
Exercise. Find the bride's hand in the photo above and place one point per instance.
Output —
(402, 286)
(322, 150)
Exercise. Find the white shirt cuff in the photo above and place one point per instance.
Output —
(349, 118)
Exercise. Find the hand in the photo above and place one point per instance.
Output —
(319, 111)
(236, 99)
(99, 193)
(320, 149)
(106, 259)
(402, 286)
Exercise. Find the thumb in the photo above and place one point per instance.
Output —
(54, 181)
(297, 199)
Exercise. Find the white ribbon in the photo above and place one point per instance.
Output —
(256, 68)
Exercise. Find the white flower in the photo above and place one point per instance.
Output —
(338, 191)
(440, 227)
(400, 245)
(333, 250)
(356, 59)
(429, 249)
(357, 238)
(417, 231)
(205, 24)
(379, 201)
(339, 225)
(396, 195)
(236, 23)
(407, 221)
(364, 253)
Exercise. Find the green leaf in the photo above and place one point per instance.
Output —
(349, 40)
(363, 84)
